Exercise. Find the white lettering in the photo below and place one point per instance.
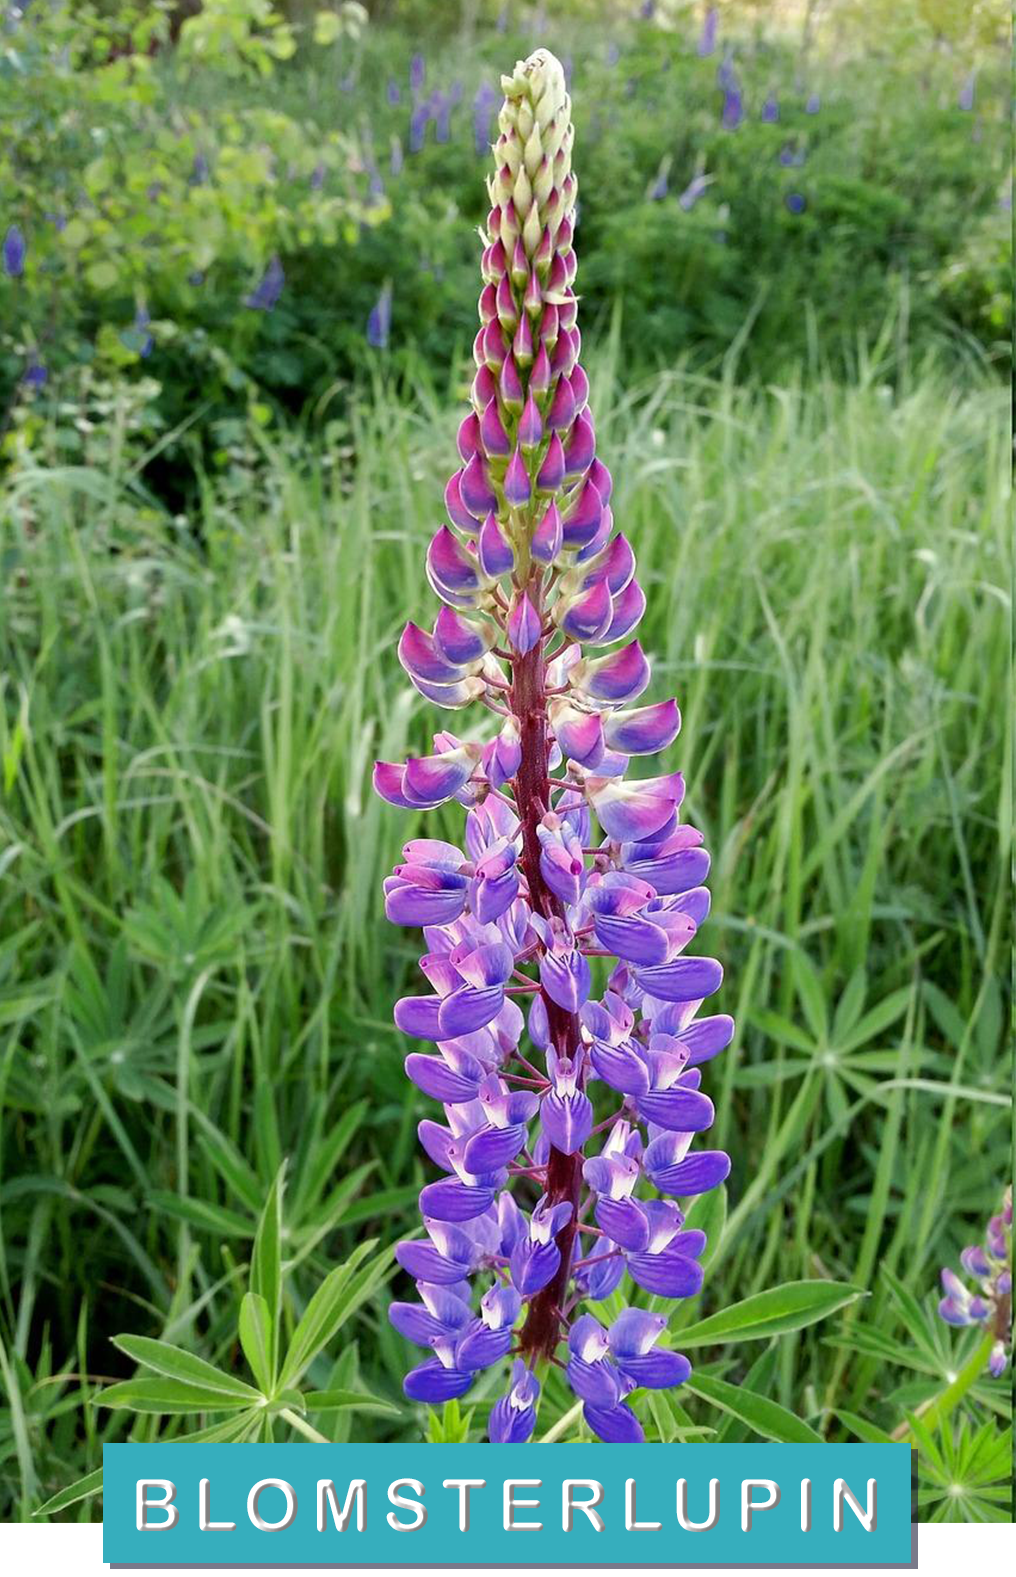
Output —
(510, 1505)
(682, 1507)
(326, 1497)
(867, 1518)
(146, 1504)
(205, 1523)
(255, 1495)
(569, 1505)
(631, 1526)
(806, 1505)
(464, 1485)
(748, 1505)
(404, 1504)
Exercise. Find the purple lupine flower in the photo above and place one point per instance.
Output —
(770, 110)
(966, 93)
(142, 319)
(417, 72)
(397, 159)
(796, 202)
(199, 171)
(813, 104)
(379, 322)
(647, 10)
(483, 109)
(14, 251)
(418, 126)
(707, 38)
(562, 859)
(317, 177)
(266, 293)
(441, 114)
(697, 186)
(658, 190)
(733, 106)
(393, 93)
(990, 1266)
(36, 374)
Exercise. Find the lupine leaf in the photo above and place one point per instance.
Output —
(176, 1364)
(362, 1401)
(771, 1313)
(81, 1489)
(760, 1413)
(168, 1396)
(862, 1428)
(255, 1331)
(341, 1292)
(266, 1260)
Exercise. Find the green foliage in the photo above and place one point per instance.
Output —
(189, 711)
(155, 182)
(181, 1384)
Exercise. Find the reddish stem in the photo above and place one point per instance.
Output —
(541, 1331)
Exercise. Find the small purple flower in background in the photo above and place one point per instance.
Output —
(196, 277)
(990, 1266)
(698, 185)
(393, 92)
(483, 109)
(379, 323)
(562, 860)
(733, 108)
(266, 294)
(396, 161)
(726, 75)
(658, 190)
(501, 25)
(813, 104)
(59, 221)
(35, 374)
(142, 319)
(967, 91)
(14, 251)
(791, 155)
(417, 72)
(647, 10)
(796, 202)
(441, 114)
(707, 38)
(199, 171)
(613, 54)
(418, 126)
(770, 110)
(317, 177)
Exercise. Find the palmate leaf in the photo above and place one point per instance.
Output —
(266, 1261)
(772, 1313)
(339, 1295)
(766, 1417)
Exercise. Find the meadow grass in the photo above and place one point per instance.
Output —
(194, 978)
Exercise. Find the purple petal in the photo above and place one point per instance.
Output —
(450, 1200)
(492, 1148)
(669, 1274)
(694, 1175)
(643, 731)
(624, 1222)
(523, 624)
(533, 1265)
(682, 980)
(682, 1111)
(435, 1078)
(615, 1425)
(432, 1382)
(594, 1383)
(567, 1120)
(657, 1370)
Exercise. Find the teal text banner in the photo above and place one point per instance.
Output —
(556, 1505)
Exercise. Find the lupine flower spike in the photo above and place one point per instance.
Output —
(556, 1103)
(990, 1266)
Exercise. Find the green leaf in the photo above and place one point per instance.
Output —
(256, 1340)
(771, 1313)
(765, 1417)
(362, 1401)
(811, 994)
(176, 1364)
(266, 1260)
(341, 1292)
(201, 1213)
(863, 1429)
(81, 1489)
(168, 1396)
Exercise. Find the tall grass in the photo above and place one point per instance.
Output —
(193, 979)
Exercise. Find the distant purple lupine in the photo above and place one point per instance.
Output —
(501, 24)
(796, 202)
(397, 159)
(707, 38)
(393, 92)
(142, 319)
(36, 373)
(317, 177)
(791, 155)
(441, 112)
(14, 252)
(647, 10)
(379, 323)
(770, 110)
(613, 54)
(733, 107)
(658, 190)
(418, 127)
(417, 72)
(967, 91)
(199, 170)
(813, 104)
(265, 295)
(694, 190)
(483, 109)
(726, 76)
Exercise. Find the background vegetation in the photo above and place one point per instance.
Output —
(215, 495)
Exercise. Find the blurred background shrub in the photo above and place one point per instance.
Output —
(249, 206)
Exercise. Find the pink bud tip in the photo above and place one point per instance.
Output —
(548, 536)
(539, 378)
(523, 624)
(492, 434)
(530, 425)
(552, 470)
(516, 482)
(522, 344)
